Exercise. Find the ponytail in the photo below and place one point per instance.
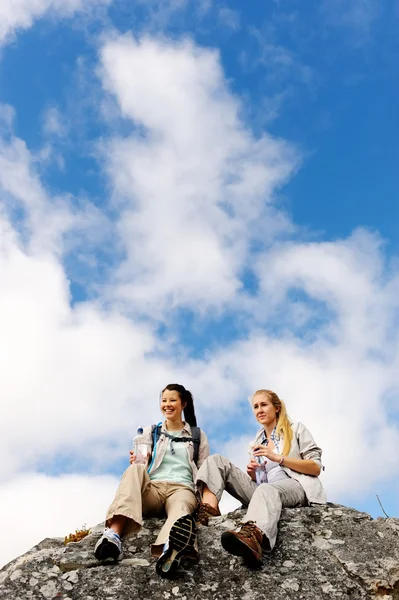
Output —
(187, 398)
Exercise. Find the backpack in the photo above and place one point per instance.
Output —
(195, 438)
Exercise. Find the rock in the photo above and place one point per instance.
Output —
(322, 552)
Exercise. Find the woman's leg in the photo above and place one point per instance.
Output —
(266, 504)
(209, 497)
(217, 474)
(259, 529)
(180, 500)
(117, 524)
(178, 536)
(125, 515)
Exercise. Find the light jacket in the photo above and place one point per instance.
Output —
(302, 446)
(163, 442)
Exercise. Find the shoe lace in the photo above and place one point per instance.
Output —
(203, 511)
(249, 530)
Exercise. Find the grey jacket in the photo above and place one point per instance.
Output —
(303, 446)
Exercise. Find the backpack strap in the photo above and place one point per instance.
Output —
(155, 434)
(196, 435)
(195, 438)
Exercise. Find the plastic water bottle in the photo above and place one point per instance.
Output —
(140, 448)
(260, 473)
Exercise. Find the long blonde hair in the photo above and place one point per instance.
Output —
(283, 423)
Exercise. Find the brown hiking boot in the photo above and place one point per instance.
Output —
(205, 512)
(247, 542)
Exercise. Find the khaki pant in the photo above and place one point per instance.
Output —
(137, 497)
(264, 502)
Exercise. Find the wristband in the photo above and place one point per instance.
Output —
(281, 461)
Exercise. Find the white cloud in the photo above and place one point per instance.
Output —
(348, 277)
(25, 201)
(54, 123)
(194, 185)
(282, 68)
(228, 503)
(356, 14)
(160, 13)
(230, 18)
(21, 14)
(38, 506)
(7, 116)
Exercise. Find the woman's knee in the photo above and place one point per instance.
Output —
(135, 470)
(217, 459)
(137, 467)
(188, 506)
(184, 503)
(209, 462)
(265, 490)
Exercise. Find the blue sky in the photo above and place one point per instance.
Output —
(326, 85)
(204, 193)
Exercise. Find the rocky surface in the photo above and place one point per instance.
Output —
(322, 552)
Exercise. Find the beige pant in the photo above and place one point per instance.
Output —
(264, 502)
(137, 497)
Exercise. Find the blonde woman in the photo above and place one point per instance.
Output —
(292, 464)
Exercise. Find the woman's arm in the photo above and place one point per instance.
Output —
(308, 448)
(300, 465)
(251, 469)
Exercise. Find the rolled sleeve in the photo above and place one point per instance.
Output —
(204, 450)
(308, 448)
(148, 437)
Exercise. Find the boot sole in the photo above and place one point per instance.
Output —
(106, 550)
(235, 546)
(181, 540)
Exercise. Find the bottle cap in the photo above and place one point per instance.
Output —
(140, 430)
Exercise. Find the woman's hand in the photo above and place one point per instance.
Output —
(133, 457)
(300, 465)
(267, 453)
(251, 468)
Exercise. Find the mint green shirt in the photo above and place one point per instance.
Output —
(175, 467)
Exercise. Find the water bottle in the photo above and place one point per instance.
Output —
(140, 448)
(260, 473)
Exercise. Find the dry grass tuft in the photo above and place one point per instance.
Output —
(77, 536)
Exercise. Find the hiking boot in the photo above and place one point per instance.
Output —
(247, 542)
(205, 512)
(108, 546)
(180, 543)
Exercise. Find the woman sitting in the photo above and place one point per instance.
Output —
(166, 487)
(286, 456)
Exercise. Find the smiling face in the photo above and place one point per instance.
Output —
(171, 405)
(264, 410)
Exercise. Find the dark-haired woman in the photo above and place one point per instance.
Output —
(166, 487)
(292, 464)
